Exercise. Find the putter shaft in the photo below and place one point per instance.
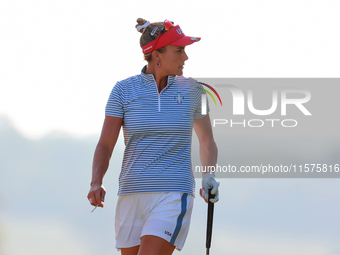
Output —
(209, 221)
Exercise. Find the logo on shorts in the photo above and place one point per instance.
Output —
(167, 233)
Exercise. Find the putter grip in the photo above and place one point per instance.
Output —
(210, 220)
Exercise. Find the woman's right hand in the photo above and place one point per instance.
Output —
(97, 195)
(102, 155)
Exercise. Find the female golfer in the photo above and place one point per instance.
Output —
(158, 109)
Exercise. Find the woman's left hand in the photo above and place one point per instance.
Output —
(209, 182)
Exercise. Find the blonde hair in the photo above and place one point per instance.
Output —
(146, 36)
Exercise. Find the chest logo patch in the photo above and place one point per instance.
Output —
(178, 98)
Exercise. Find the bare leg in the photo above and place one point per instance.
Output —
(154, 245)
(130, 251)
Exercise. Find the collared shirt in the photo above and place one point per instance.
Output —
(157, 132)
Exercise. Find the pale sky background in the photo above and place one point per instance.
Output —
(60, 59)
(58, 63)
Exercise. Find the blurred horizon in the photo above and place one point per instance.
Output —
(43, 205)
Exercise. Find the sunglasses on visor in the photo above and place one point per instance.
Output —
(167, 25)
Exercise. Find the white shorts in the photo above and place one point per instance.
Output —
(163, 214)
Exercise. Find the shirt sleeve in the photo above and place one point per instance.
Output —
(199, 93)
(114, 106)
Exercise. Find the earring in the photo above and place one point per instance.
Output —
(158, 64)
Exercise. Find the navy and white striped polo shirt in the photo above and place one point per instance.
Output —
(157, 132)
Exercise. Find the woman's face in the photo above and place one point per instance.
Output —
(172, 60)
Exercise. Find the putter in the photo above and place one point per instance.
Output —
(209, 221)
